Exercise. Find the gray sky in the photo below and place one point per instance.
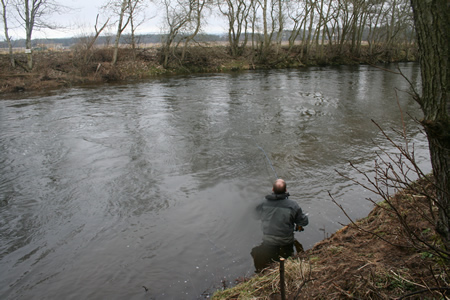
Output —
(81, 19)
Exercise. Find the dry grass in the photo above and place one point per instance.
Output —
(267, 284)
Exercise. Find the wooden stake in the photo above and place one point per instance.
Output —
(282, 285)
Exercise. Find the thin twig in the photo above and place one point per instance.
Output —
(359, 227)
(350, 296)
(424, 291)
(404, 279)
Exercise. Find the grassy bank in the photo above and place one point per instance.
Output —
(372, 258)
(77, 66)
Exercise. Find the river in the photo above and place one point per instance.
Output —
(107, 191)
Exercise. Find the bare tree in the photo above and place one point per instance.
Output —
(5, 27)
(273, 20)
(307, 32)
(177, 14)
(320, 30)
(237, 14)
(401, 18)
(375, 15)
(298, 13)
(253, 21)
(278, 20)
(120, 7)
(135, 7)
(90, 41)
(33, 14)
(195, 24)
(183, 19)
(98, 31)
(127, 12)
(267, 39)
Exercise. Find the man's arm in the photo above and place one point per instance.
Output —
(301, 219)
(258, 211)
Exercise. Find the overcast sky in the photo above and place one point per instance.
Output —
(80, 21)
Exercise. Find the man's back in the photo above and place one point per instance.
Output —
(278, 216)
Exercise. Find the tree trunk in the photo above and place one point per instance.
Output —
(266, 42)
(133, 36)
(8, 39)
(120, 29)
(431, 19)
(29, 23)
(254, 6)
(308, 37)
(197, 9)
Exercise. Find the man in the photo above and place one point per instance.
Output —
(279, 217)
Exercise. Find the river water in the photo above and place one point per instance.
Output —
(108, 189)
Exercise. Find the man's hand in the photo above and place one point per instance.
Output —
(300, 228)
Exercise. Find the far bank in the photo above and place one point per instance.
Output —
(58, 69)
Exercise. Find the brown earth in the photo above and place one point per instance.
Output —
(53, 70)
(373, 258)
(59, 69)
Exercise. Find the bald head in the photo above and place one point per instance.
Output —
(279, 186)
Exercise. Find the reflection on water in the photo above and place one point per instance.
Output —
(107, 189)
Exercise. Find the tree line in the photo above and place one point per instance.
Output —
(261, 25)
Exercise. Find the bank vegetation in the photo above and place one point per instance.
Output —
(78, 66)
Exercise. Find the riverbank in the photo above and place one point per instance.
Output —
(59, 69)
(372, 258)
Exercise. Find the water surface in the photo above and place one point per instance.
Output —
(107, 189)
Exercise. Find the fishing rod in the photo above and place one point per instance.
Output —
(270, 163)
(298, 246)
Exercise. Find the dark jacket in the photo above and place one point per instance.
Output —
(279, 217)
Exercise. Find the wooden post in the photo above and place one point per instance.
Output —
(282, 285)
